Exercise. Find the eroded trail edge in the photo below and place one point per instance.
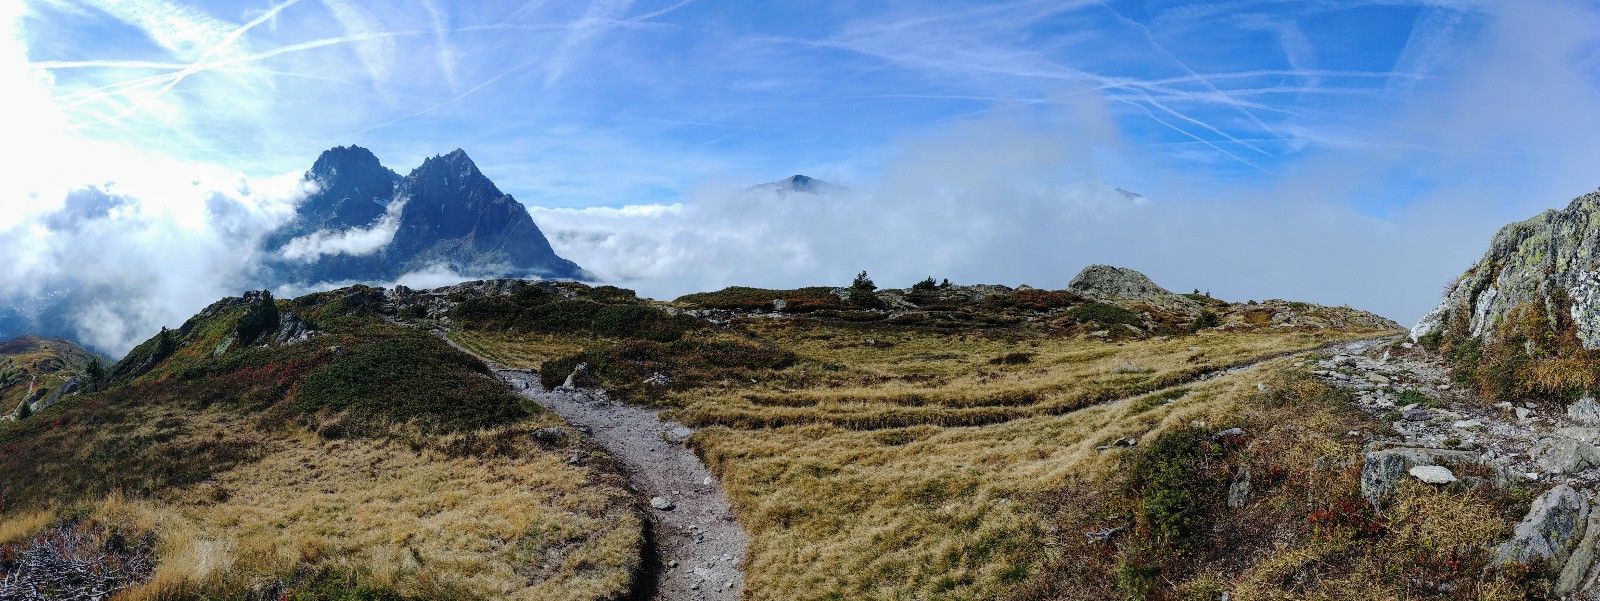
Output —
(701, 548)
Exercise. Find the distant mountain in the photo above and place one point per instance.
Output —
(801, 184)
(366, 223)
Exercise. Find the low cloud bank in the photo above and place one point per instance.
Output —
(354, 241)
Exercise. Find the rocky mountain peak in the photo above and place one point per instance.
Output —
(799, 183)
(446, 212)
(449, 176)
(353, 190)
(1550, 263)
(342, 159)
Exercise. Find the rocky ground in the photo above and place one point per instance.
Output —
(700, 547)
(1444, 436)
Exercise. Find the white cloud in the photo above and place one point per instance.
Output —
(1380, 221)
(355, 241)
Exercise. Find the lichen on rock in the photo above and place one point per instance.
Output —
(1550, 261)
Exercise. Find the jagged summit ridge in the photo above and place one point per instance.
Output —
(367, 223)
(353, 189)
(1549, 263)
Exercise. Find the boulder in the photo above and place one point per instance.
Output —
(1107, 282)
(1581, 563)
(1554, 523)
(1384, 468)
(1559, 455)
(662, 503)
(1589, 435)
(1416, 415)
(292, 329)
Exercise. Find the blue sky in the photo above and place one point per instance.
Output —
(1337, 151)
(611, 103)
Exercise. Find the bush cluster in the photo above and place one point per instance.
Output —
(409, 376)
(1103, 314)
(544, 313)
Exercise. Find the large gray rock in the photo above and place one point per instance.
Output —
(1559, 455)
(1580, 564)
(1107, 282)
(1384, 469)
(1547, 534)
(1536, 262)
(1126, 287)
(1239, 490)
(67, 388)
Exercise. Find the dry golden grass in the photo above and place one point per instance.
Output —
(23, 524)
(521, 524)
(922, 512)
(908, 377)
(855, 478)
(525, 350)
(420, 523)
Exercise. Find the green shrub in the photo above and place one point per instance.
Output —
(260, 318)
(863, 283)
(1103, 314)
(1175, 484)
(864, 299)
(641, 322)
(924, 285)
(409, 376)
(1012, 359)
(799, 300)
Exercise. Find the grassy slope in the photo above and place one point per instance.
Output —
(265, 468)
(848, 460)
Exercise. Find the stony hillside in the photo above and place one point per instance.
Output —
(937, 441)
(38, 372)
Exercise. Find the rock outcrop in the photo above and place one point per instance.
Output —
(1104, 282)
(1550, 262)
(1554, 522)
(1123, 286)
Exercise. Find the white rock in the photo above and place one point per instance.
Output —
(661, 503)
(1432, 474)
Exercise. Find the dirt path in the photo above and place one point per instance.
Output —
(700, 547)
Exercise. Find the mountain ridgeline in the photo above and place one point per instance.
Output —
(365, 222)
